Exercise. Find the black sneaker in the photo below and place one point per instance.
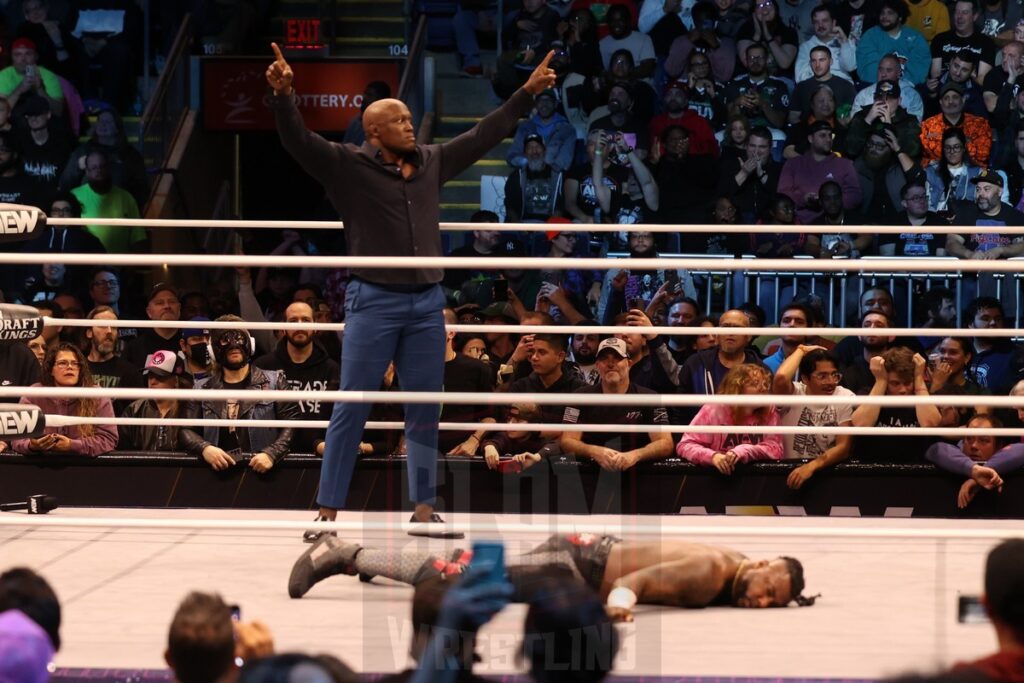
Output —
(313, 535)
(433, 528)
(327, 557)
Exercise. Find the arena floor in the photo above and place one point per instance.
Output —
(888, 606)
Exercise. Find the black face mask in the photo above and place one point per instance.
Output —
(199, 353)
(232, 339)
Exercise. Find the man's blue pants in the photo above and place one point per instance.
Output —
(383, 326)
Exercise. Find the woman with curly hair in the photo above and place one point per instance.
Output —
(66, 366)
(723, 451)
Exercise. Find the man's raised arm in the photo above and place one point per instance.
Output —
(466, 149)
(317, 156)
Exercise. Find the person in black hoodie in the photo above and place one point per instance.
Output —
(547, 359)
(308, 368)
(703, 371)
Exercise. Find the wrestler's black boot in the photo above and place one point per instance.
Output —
(327, 557)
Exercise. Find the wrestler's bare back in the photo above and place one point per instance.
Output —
(671, 572)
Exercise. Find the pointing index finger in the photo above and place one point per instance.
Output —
(544, 64)
(277, 53)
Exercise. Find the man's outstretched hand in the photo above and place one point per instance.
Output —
(279, 74)
(542, 78)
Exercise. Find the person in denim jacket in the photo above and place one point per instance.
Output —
(223, 447)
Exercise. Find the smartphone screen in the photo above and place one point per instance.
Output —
(971, 611)
(501, 290)
(492, 552)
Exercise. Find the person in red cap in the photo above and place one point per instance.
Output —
(24, 77)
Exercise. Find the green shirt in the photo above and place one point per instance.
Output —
(11, 79)
(115, 204)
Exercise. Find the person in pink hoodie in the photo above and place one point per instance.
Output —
(723, 451)
(66, 366)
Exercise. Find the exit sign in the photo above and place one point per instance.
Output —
(302, 34)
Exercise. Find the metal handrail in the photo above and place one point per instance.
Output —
(415, 54)
(178, 49)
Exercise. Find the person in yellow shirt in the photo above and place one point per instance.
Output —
(100, 198)
(930, 17)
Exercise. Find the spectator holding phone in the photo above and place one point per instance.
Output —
(621, 117)
(626, 289)
(25, 77)
(66, 366)
(1004, 594)
(513, 451)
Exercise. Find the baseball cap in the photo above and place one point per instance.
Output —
(164, 364)
(615, 344)
(160, 287)
(887, 88)
(500, 309)
(951, 85)
(987, 175)
(198, 331)
(552, 234)
(25, 649)
(34, 106)
(534, 137)
(677, 85)
(547, 93)
(511, 246)
(24, 43)
(821, 124)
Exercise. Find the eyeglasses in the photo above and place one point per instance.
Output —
(953, 148)
(915, 198)
(65, 364)
(877, 145)
(105, 283)
(822, 376)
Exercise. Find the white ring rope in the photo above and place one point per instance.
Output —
(917, 265)
(506, 398)
(69, 420)
(546, 227)
(937, 332)
(358, 528)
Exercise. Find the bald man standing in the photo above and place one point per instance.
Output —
(387, 192)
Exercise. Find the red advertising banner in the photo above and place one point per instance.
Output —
(330, 93)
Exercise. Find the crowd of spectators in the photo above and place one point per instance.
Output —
(679, 106)
(678, 112)
(686, 362)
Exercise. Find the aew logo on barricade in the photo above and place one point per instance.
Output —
(19, 222)
(19, 323)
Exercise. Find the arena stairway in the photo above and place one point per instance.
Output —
(461, 103)
(365, 28)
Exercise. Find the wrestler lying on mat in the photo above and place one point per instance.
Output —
(667, 572)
